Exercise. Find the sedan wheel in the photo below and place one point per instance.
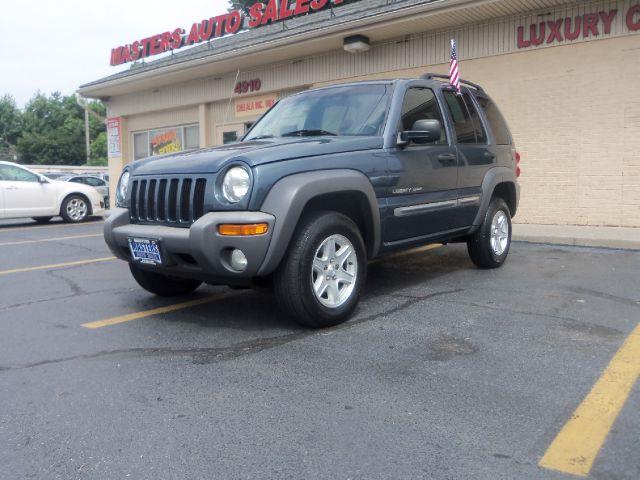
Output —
(75, 209)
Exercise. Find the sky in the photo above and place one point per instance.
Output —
(59, 45)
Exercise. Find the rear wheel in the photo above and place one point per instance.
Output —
(163, 285)
(42, 219)
(489, 246)
(75, 209)
(320, 280)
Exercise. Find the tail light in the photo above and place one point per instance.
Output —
(518, 171)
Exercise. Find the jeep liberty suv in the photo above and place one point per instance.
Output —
(325, 181)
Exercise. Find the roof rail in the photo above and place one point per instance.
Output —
(431, 76)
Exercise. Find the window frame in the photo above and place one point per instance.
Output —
(479, 109)
(466, 106)
(443, 115)
(147, 132)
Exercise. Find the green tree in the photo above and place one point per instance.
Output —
(53, 130)
(99, 151)
(243, 5)
(10, 126)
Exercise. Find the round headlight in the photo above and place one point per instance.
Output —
(123, 187)
(236, 184)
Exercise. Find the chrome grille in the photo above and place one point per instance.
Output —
(168, 201)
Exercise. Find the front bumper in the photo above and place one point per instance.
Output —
(198, 252)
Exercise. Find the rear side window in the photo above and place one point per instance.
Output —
(421, 104)
(466, 119)
(496, 121)
(94, 182)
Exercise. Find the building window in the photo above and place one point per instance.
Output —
(191, 137)
(165, 140)
(140, 145)
(229, 137)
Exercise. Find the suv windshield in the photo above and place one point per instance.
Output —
(344, 111)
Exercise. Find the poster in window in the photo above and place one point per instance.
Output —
(165, 141)
(114, 145)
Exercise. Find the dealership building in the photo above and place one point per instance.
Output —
(566, 75)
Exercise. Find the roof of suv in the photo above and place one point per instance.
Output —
(433, 80)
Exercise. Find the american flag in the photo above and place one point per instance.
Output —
(454, 73)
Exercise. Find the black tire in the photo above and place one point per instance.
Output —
(292, 280)
(67, 212)
(163, 285)
(479, 244)
(42, 219)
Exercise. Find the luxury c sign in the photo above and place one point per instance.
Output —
(259, 14)
(633, 18)
(589, 25)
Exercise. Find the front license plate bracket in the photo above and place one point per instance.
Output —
(145, 250)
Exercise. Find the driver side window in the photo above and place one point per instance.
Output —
(421, 104)
(16, 174)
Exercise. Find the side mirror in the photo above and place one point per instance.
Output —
(42, 179)
(423, 131)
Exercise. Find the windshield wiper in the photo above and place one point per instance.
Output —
(308, 133)
(261, 137)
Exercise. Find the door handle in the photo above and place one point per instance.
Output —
(446, 158)
(12, 187)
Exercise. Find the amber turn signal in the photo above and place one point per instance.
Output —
(231, 230)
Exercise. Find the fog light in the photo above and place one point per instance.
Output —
(238, 260)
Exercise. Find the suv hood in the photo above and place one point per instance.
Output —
(257, 152)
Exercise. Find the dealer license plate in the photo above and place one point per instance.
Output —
(145, 250)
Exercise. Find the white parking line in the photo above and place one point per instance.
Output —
(58, 225)
(56, 265)
(56, 239)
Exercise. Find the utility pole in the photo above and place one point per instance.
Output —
(87, 111)
(87, 136)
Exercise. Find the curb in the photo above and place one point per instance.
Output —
(600, 241)
(578, 242)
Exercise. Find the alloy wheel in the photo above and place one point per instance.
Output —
(499, 233)
(335, 271)
(77, 209)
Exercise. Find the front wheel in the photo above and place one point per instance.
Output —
(163, 285)
(320, 280)
(75, 209)
(489, 246)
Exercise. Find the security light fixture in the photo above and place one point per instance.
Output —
(356, 44)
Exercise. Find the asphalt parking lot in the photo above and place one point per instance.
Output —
(446, 371)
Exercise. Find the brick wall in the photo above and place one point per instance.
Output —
(575, 114)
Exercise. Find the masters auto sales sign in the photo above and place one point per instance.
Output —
(259, 14)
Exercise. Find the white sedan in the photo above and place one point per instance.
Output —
(24, 193)
(102, 186)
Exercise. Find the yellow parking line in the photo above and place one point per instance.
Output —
(577, 445)
(55, 265)
(57, 239)
(57, 225)
(157, 311)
